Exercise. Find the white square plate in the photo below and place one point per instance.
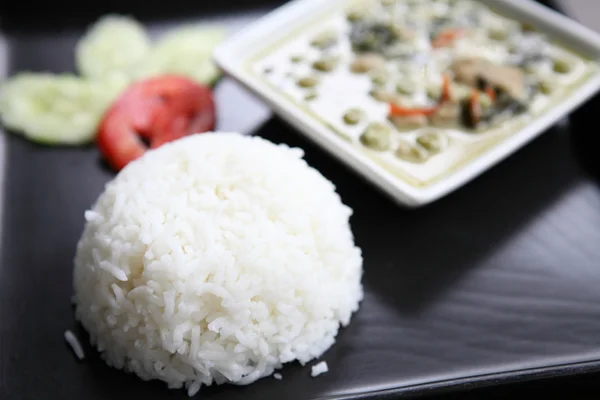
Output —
(241, 55)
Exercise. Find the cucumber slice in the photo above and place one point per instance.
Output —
(112, 45)
(55, 109)
(185, 51)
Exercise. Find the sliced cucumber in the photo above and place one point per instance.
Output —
(186, 51)
(55, 109)
(114, 85)
(113, 45)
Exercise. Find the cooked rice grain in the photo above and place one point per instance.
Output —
(75, 345)
(319, 369)
(216, 258)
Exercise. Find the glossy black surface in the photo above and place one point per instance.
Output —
(494, 283)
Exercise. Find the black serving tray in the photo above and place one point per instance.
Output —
(496, 283)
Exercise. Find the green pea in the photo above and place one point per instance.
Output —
(376, 137)
(497, 34)
(434, 92)
(379, 77)
(408, 152)
(311, 96)
(433, 141)
(353, 116)
(383, 96)
(546, 87)
(308, 82)
(527, 28)
(356, 14)
(366, 63)
(324, 40)
(325, 64)
(562, 66)
(405, 88)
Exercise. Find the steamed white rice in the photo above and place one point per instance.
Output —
(216, 258)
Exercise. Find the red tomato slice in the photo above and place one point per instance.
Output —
(158, 110)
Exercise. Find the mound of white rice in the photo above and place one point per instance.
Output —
(216, 258)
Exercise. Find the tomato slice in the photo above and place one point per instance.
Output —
(156, 111)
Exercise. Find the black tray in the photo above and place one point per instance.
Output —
(496, 283)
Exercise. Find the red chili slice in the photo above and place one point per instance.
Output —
(399, 111)
(159, 110)
(447, 37)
